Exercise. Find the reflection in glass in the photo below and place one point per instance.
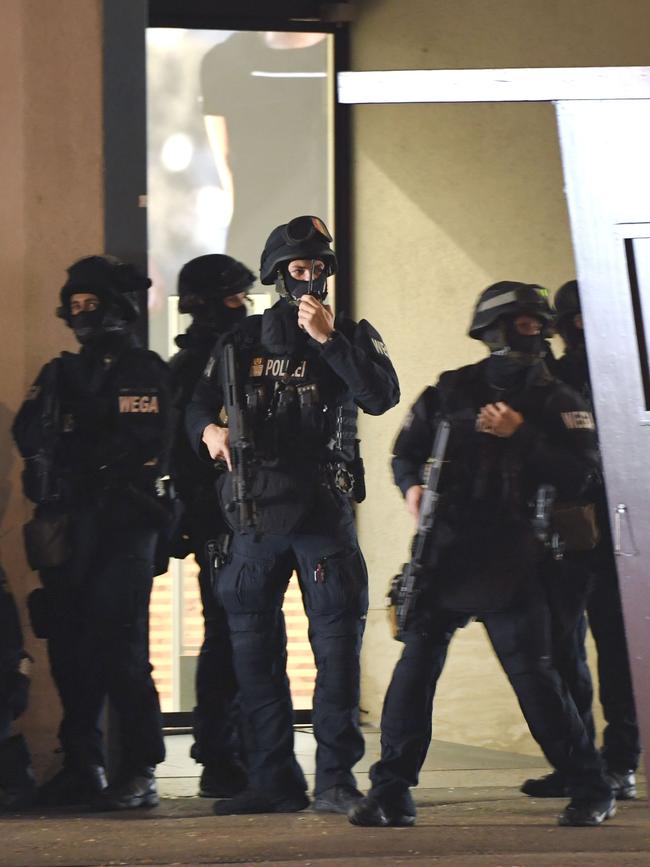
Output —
(238, 131)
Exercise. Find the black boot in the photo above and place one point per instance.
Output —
(222, 781)
(551, 786)
(581, 812)
(337, 799)
(373, 811)
(623, 784)
(17, 784)
(132, 790)
(251, 801)
(74, 784)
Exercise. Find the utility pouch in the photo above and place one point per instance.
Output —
(218, 553)
(39, 483)
(47, 540)
(256, 400)
(576, 525)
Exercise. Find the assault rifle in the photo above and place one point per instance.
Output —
(408, 584)
(242, 453)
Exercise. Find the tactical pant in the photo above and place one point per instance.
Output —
(568, 589)
(216, 718)
(98, 642)
(597, 570)
(6, 718)
(521, 638)
(333, 580)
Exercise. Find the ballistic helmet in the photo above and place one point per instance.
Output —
(113, 282)
(302, 238)
(567, 301)
(212, 277)
(508, 298)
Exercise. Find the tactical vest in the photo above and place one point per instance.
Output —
(304, 426)
(485, 550)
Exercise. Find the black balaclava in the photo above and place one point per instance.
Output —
(297, 288)
(209, 322)
(99, 328)
(573, 336)
(510, 363)
(217, 317)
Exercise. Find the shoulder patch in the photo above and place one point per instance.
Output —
(209, 367)
(578, 420)
(380, 347)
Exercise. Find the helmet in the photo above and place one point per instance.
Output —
(211, 277)
(509, 298)
(112, 281)
(567, 300)
(301, 238)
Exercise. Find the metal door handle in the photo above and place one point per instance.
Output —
(621, 512)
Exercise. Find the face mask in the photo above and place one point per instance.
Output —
(298, 288)
(92, 327)
(88, 325)
(572, 336)
(216, 316)
(506, 341)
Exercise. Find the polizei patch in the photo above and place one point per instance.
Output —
(278, 368)
(578, 420)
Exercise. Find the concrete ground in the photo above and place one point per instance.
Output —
(470, 814)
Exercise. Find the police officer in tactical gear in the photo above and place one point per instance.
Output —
(304, 374)
(94, 432)
(212, 289)
(513, 430)
(17, 784)
(592, 578)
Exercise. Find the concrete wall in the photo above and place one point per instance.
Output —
(448, 199)
(51, 212)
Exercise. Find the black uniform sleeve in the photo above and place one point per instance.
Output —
(415, 440)
(362, 362)
(565, 453)
(27, 427)
(206, 403)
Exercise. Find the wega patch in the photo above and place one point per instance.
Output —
(141, 403)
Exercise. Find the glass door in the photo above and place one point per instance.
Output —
(240, 128)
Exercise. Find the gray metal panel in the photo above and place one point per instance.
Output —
(494, 85)
(605, 148)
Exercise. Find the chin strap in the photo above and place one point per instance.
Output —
(281, 289)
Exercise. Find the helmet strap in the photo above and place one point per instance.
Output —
(281, 288)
